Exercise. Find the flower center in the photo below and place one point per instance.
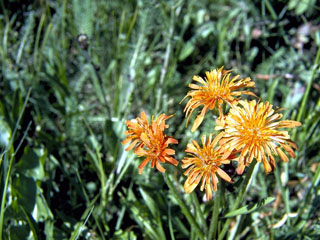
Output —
(208, 159)
(253, 134)
(254, 131)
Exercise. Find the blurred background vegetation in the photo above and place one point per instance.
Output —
(73, 71)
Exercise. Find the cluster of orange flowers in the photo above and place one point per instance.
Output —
(149, 141)
(250, 130)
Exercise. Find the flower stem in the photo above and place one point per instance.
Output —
(303, 107)
(183, 207)
(215, 216)
(283, 188)
(199, 211)
(244, 187)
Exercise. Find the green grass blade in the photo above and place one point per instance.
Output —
(8, 171)
(76, 233)
(249, 208)
(32, 224)
(184, 208)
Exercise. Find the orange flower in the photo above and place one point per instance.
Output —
(151, 142)
(215, 88)
(252, 130)
(203, 163)
(136, 128)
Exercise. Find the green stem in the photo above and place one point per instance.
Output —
(100, 167)
(183, 207)
(239, 198)
(271, 10)
(170, 223)
(10, 145)
(309, 195)
(199, 211)
(4, 194)
(303, 108)
(215, 216)
(284, 190)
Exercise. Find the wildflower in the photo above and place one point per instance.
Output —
(203, 163)
(253, 131)
(150, 141)
(136, 128)
(215, 88)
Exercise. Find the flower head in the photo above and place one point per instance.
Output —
(215, 88)
(150, 141)
(203, 164)
(253, 131)
(136, 128)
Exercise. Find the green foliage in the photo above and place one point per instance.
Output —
(72, 72)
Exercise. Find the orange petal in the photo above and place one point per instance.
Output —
(144, 138)
(289, 124)
(240, 168)
(267, 167)
(208, 192)
(169, 151)
(159, 167)
(194, 86)
(132, 145)
(171, 141)
(272, 162)
(143, 164)
(199, 119)
(292, 144)
(226, 154)
(188, 188)
(172, 161)
(217, 139)
(127, 140)
(162, 159)
(289, 150)
(215, 181)
(282, 155)
(224, 175)
(144, 116)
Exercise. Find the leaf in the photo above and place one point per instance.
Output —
(5, 133)
(19, 232)
(292, 4)
(186, 50)
(301, 6)
(304, 5)
(123, 235)
(77, 231)
(150, 203)
(110, 137)
(84, 16)
(32, 224)
(30, 165)
(141, 214)
(294, 97)
(250, 207)
(44, 211)
(24, 189)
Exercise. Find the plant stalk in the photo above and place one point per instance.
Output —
(183, 207)
(244, 187)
